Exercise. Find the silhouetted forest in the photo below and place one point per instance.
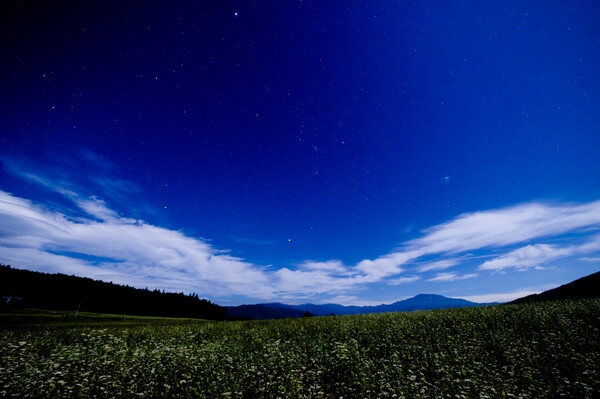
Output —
(59, 291)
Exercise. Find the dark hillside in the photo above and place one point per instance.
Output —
(59, 291)
(585, 287)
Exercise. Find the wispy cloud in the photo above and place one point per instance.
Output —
(387, 265)
(403, 280)
(143, 254)
(503, 296)
(330, 266)
(452, 277)
(512, 225)
(96, 184)
(495, 228)
(95, 159)
(590, 259)
(438, 265)
(538, 254)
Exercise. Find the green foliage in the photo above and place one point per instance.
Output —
(529, 351)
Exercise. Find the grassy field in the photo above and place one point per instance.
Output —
(527, 351)
(31, 318)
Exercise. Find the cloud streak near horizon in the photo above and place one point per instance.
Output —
(96, 241)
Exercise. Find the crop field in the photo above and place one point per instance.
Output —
(527, 351)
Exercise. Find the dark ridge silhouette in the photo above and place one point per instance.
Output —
(585, 287)
(281, 311)
(63, 292)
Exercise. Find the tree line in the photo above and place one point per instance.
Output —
(62, 292)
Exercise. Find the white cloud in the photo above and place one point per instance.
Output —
(145, 255)
(506, 226)
(403, 280)
(495, 228)
(136, 253)
(526, 257)
(590, 259)
(499, 297)
(314, 281)
(452, 277)
(123, 250)
(385, 266)
(438, 265)
(538, 254)
(330, 266)
(97, 208)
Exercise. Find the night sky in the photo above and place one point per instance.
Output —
(303, 151)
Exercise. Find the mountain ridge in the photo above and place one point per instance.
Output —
(584, 287)
(418, 302)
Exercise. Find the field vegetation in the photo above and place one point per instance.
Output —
(532, 350)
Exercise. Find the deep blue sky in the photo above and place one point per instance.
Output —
(284, 145)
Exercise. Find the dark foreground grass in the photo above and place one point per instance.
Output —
(528, 351)
(24, 318)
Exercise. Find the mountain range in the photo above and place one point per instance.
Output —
(280, 310)
(585, 287)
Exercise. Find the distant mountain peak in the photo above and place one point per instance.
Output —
(428, 296)
(418, 302)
